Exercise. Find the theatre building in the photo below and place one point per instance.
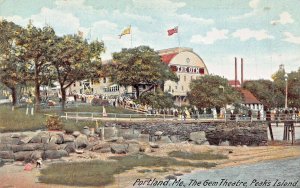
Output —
(183, 61)
(187, 65)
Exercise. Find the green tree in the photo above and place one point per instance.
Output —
(158, 100)
(294, 89)
(140, 65)
(11, 62)
(211, 91)
(263, 90)
(36, 43)
(74, 59)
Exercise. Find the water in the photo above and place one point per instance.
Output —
(259, 175)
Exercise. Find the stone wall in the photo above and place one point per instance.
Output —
(235, 133)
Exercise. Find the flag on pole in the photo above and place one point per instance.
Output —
(126, 31)
(172, 31)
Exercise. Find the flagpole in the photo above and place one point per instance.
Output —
(178, 36)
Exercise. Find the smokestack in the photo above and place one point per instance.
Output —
(235, 71)
(242, 71)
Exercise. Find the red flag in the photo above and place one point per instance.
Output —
(172, 31)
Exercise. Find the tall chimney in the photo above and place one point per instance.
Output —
(242, 71)
(235, 71)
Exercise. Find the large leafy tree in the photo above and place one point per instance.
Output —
(74, 59)
(11, 62)
(140, 65)
(212, 91)
(294, 89)
(36, 43)
(263, 90)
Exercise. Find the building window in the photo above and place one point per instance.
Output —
(182, 88)
(104, 80)
(74, 84)
(170, 89)
(176, 87)
(179, 77)
(184, 78)
(80, 84)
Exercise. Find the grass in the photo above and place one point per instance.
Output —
(100, 173)
(17, 120)
(197, 156)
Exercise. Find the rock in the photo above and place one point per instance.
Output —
(178, 174)
(164, 140)
(200, 135)
(25, 140)
(110, 132)
(68, 138)
(5, 147)
(153, 145)
(22, 155)
(15, 135)
(100, 146)
(105, 150)
(119, 148)
(81, 141)
(230, 151)
(55, 154)
(32, 146)
(17, 148)
(158, 133)
(86, 131)
(79, 151)
(51, 146)
(133, 148)
(143, 138)
(9, 140)
(36, 139)
(70, 147)
(174, 138)
(225, 143)
(56, 139)
(128, 134)
(113, 139)
(35, 155)
(6, 155)
(76, 133)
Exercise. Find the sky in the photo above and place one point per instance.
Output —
(265, 33)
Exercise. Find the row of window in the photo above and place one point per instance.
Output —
(185, 77)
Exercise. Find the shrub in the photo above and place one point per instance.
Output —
(53, 123)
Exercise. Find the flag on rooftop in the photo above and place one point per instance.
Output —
(172, 31)
(126, 31)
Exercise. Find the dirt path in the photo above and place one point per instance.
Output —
(13, 175)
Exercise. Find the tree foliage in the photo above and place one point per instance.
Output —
(11, 62)
(158, 100)
(212, 91)
(74, 60)
(140, 65)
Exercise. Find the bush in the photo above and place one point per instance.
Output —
(53, 123)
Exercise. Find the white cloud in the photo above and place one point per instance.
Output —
(284, 18)
(196, 20)
(211, 36)
(289, 37)
(253, 4)
(246, 34)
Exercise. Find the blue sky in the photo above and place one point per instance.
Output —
(266, 33)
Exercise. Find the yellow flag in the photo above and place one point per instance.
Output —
(125, 31)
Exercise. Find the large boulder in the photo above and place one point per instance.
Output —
(68, 138)
(110, 132)
(200, 135)
(70, 147)
(76, 133)
(119, 148)
(100, 146)
(51, 146)
(5, 147)
(25, 140)
(9, 140)
(56, 139)
(6, 155)
(133, 148)
(128, 134)
(32, 146)
(81, 141)
(86, 131)
(55, 154)
(23, 156)
(143, 138)
(17, 148)
(38, 154)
